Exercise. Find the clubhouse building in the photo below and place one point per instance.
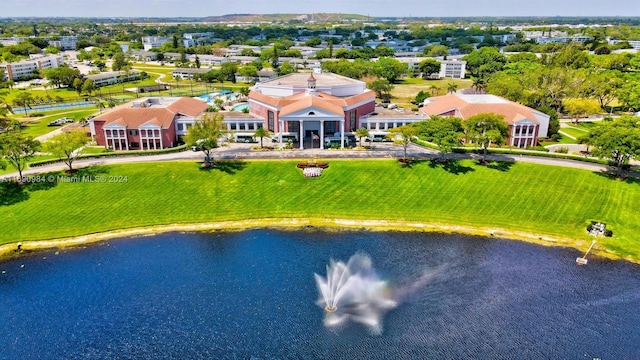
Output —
(146, 123)
(308, 111)
(525, 124)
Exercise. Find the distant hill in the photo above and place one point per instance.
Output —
(317, 17)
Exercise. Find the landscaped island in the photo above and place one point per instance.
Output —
(546, 204)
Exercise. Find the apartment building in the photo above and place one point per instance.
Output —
(27, 69)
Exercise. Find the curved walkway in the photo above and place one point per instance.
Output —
(244, 152)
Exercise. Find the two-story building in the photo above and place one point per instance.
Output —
(525, 124)
(146, 123)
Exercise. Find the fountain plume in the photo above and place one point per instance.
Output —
(354, 291)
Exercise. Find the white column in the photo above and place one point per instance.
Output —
(280, 129)
(513, 135)
(321, 134)
(161, 147)
(106, 140)
(126, 139)
(342, 134)
(300, 135)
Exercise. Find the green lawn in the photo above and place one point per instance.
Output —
(562, 140)
(10, 169)
(93, 150)
(525, 197)
(39, 127)
(574, 131)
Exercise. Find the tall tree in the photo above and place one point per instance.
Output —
(402, 135)
(362, 133)
(484, 62)
(381, 87)
(618, 141)
(389, 68)
(24, 99)
(446, 132)
(428, 67)
(119, 61)
(205, 134)
(88, 86)
(67, 146)
(286, 68)
(261, 133)
(485, 129)
(18, 149)
(578, 108)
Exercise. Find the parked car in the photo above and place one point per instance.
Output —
(245, 139)
(60, 122)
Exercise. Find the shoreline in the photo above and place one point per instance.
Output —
(8, 250)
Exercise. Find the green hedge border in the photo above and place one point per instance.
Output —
(114, 154)
(462, 150)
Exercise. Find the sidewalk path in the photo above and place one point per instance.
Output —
(244, 152)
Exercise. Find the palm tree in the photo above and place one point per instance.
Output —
(363, 132)
(478, 84)
(24, 99)
(452, 87)
(434, 90)
(244, 91)
(261, 133)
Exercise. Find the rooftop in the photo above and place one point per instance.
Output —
(322, 80)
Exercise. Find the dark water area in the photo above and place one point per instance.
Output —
(252, 295)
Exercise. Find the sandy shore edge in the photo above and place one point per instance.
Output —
(299, 223)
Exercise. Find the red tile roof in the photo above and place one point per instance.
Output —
(301, 100)
(133, 118)
(465, 106)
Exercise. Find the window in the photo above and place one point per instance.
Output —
(270, 120)
(241, 126)
(250, 126)
(258, 126)
(180, 127)
(330, 127)
(133, 132)
(352, 120)
(233, 126)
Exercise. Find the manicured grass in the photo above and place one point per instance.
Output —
(561, 140)
(39, 127)
(406, 89)
(574, 131)
(91, 150)
(10, 169)
(524, 197)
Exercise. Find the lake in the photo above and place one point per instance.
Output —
(252, 294)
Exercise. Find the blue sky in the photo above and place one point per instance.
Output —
(403, 8)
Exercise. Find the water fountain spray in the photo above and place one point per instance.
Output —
(354, 291)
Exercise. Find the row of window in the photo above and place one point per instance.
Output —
(244, 126)
(133, 132)
(383, 125)
(524, 130)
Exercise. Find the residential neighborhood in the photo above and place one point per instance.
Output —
(326, 180)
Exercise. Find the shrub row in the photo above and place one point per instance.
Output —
(114, 154)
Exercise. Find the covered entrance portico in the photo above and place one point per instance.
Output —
(312, 125)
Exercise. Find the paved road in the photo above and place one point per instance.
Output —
(244, 152)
